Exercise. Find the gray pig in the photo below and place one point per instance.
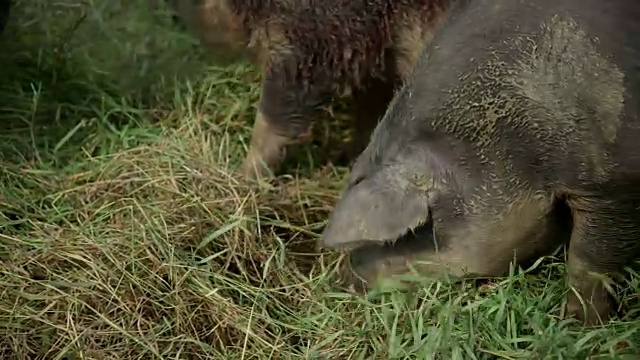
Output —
(517, 110)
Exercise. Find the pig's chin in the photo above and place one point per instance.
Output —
(364, 259)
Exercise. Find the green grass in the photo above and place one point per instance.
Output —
(125, 235)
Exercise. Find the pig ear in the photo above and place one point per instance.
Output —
(379, 208)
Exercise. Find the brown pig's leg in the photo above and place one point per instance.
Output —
(283, 119)
(266, 150)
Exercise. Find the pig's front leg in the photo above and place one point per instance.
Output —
(284, 118)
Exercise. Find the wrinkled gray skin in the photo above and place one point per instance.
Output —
(520, 111)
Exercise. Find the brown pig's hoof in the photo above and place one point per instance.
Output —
(251, 174)
(253, 169)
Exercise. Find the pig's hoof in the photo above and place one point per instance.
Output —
(253, 169)
(248, 173)
(596, 312)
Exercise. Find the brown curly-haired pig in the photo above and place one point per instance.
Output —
(310, 51)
